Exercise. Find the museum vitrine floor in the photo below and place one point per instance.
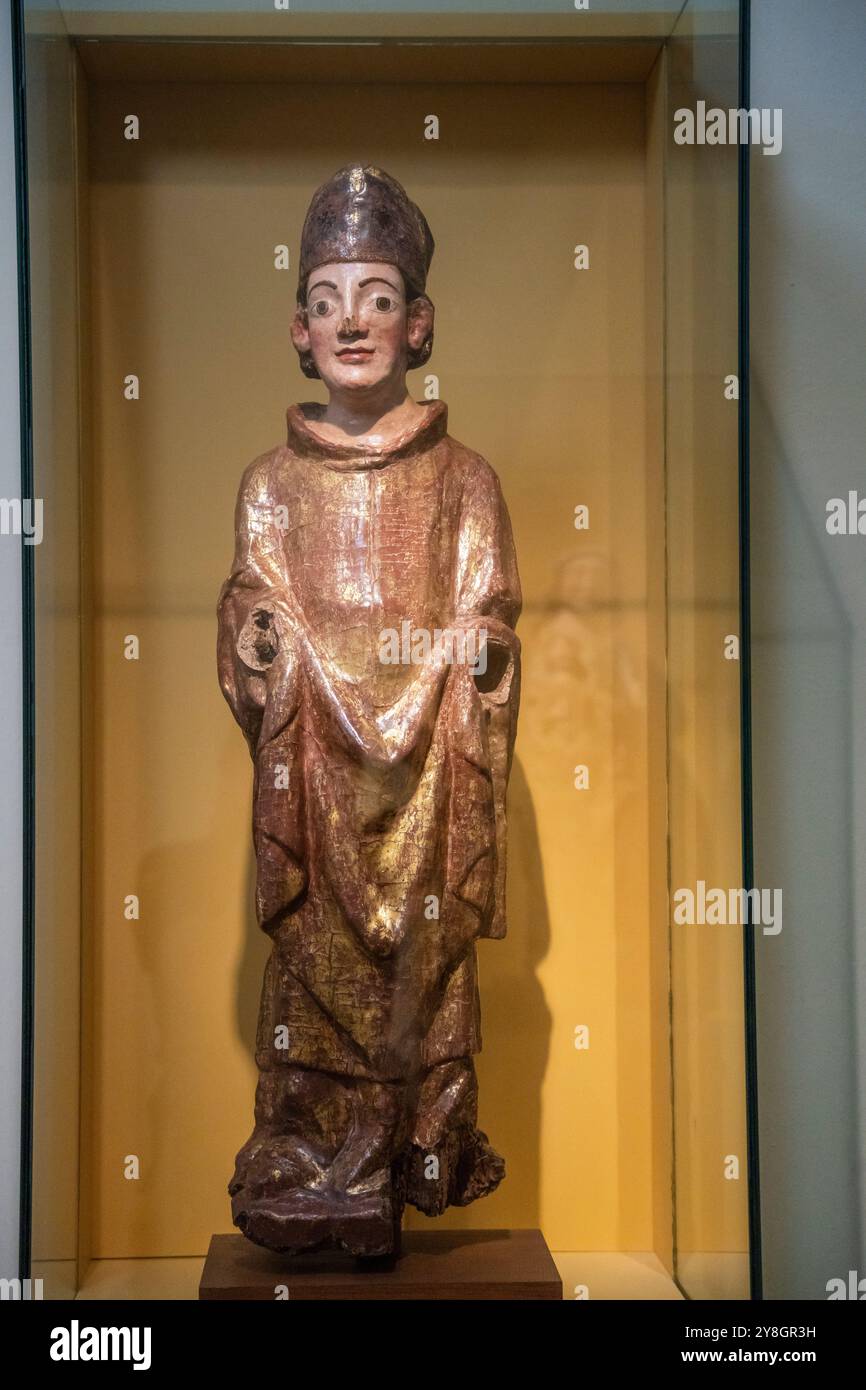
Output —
(607, 1275)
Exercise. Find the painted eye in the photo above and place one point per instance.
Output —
(384, 303)
(320, 308)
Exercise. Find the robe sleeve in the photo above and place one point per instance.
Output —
(248, 633)
(488, 584)
(488, 599)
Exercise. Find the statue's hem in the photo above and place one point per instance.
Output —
(455, 1172)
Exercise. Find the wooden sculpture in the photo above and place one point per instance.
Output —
(367, 650)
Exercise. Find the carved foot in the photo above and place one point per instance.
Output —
(455, 1172)
(363, 1223)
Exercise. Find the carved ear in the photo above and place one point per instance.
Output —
(419, 325)
(419, 322)
(300, 331)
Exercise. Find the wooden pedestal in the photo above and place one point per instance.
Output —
(433, 1265)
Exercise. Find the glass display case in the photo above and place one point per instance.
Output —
(589, 287)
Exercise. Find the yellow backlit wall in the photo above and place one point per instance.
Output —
(553, 374)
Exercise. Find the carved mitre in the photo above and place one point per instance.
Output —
(363, 214)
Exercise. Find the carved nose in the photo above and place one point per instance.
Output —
(349, 327)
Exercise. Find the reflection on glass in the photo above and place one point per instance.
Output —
(563, 417)
(710, 1177)
(57, 928)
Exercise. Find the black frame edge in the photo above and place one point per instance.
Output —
(749, 980)
(27, 645)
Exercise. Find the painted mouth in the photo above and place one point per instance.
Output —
(355, 352)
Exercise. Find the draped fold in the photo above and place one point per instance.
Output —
(379, 789)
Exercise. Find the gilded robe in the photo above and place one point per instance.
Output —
(378, 811)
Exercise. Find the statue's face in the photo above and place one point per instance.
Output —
(357, 325)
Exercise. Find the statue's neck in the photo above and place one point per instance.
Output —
(376, 418)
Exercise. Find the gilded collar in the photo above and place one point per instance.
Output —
(303, 439)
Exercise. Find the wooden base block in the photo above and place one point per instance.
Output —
(433, 1265)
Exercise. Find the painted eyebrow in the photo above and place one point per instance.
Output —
(373, 280)
(378, 279)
